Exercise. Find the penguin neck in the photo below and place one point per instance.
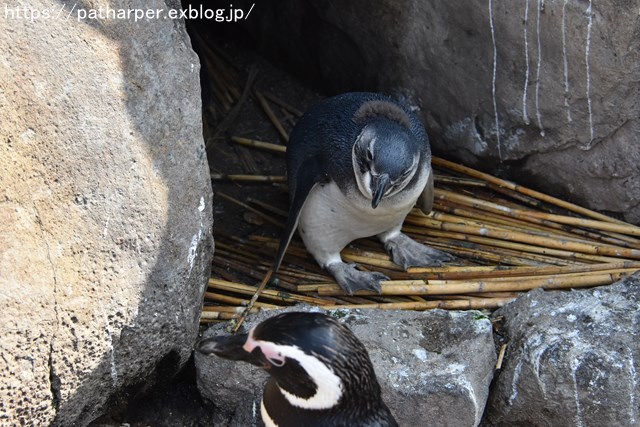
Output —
(306, 382)
(323, 389)
(357, 407)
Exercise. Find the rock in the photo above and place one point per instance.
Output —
(105, 208)
(548, 88)
(572, 359)
(434, 365)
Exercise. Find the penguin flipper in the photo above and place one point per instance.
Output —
(309, 174)
(425, 201)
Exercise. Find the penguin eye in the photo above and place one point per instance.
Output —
(369, 155)
(278, 362)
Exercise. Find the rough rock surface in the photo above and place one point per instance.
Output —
(550, 88)
(433, 367)
(105, 208)
(572, 359)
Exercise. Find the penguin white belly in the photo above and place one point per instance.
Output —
(330, 220)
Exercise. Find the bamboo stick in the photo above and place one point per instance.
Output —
(552, 234)
(482, 254)
(271, 115)
(271, 97)
(259, 144)
(268, 207)
(252, 301)
(444, 179)
(248, 178)
(219, 315)
(249, 208)
(520, 189)
(226, 299)
(503, 349)
(581, 222)
(420, 287)
(459, 304)
(522, 247)
(266, 293)
(388, 264)
(228, 309)
(536, 224)
(467, 273)
(495, 232)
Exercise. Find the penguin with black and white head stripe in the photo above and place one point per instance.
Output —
(320, 373)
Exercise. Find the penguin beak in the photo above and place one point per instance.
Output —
(227, 347)
(379, 186)
(231, 347)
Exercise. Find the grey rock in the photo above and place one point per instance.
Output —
(434, 367)
(572, 359)
(105, 209)
(550, 88)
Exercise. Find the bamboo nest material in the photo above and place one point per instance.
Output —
(504, 245)
(507, 239)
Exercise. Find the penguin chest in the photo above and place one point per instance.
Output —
(330, 220)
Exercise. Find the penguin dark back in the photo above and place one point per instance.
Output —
(321, 374)
(357, 163)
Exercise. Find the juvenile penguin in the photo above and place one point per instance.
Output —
(321, 374)
(356, 165)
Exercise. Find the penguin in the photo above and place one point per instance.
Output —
(320, 373)
(357, 163)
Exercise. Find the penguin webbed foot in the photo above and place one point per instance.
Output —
(406, 252)
(351, 279)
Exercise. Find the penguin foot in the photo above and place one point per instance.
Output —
(406, 252)
(351, 279)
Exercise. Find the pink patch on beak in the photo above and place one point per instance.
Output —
(268, 349)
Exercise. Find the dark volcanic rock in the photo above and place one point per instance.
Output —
(572, 359)
(549, 88)
(434, 367)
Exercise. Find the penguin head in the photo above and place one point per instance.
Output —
(385, 158)
(316, 362)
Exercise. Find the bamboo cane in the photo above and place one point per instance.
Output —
(259, 144)
(467, 273)
(226, 299)
(522, 247)
(444, 179)
(266, 293)
(271, 97)
(520, 189)
(420, 287)
(248, 178)
(271, 115)
(249, 208)
(460, 304)
(502, 234)
(268, 207)
(581, 222)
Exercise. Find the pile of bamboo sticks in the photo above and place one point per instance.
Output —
(507, 240)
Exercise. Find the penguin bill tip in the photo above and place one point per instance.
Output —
(228, 347)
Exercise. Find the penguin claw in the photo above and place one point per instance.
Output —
(406, 252)
(351, 279)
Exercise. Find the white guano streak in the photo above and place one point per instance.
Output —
(586, 54)
(538, 115)
(493, 80)
(565, 62)
(525, 115)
